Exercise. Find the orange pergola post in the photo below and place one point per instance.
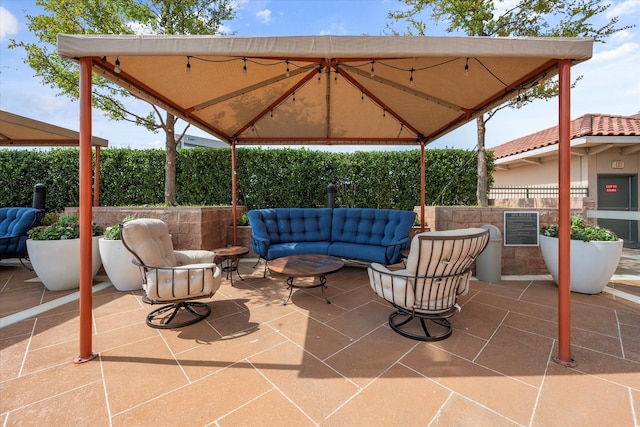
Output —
(564, 215)
(86, 353)
(234, 198)
(422, 185)
(96, 179)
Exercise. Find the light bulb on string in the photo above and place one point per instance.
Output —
(373, 72)
(116, 68)
(519, 102)
(188, 65)
(244, 66)
(411, 77)
(362, 96)
(287, 72)
(466, 67)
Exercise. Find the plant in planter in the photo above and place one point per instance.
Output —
(595, 253)
(243, 221)
(116, 260)
(54, 251)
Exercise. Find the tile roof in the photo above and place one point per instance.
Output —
(587, 125)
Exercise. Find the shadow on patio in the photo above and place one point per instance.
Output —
(255, 361)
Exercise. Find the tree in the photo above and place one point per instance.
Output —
(118, 17)
(528, 18)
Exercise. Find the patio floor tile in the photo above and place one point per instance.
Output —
(256, 361)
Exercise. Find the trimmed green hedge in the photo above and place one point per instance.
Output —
(265, 177)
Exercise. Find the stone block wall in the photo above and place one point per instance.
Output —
(190, 227)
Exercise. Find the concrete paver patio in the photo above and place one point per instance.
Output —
(255, 361)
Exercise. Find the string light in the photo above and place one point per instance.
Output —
(362, 97)
(384, 112)
(335, 78)
(373, 72)
(319, 75)
(288, 73)
(116, 69)
(411, 77)
(519, 102)
(104, 59)
(188, 65)
(271, 111)
(244, 66)
(466, 67)
(293, 97)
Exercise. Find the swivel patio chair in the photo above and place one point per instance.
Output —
(437, 271)
(14, 224)
(171, 276)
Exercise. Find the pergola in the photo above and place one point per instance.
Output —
(348, 90)
(20, 131)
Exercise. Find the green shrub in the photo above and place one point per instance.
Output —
(580, 230)
(67, 227)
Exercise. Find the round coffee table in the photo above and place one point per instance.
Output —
(306, 266)
(228, 254)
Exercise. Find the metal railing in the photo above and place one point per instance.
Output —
(532, 192)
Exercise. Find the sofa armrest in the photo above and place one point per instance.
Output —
(260, 245)
(394, 249)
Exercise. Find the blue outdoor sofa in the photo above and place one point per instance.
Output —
(371, 235)
(14, 224)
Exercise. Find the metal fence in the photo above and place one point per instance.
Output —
(532, 192)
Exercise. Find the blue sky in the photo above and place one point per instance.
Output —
(610, 84)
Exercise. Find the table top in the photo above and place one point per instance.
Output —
(231, 251)
(306, 265)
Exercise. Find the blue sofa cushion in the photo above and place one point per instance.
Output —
(14, 224)
(285, 225)
(371, 253)
(297, 248)
(371, 226)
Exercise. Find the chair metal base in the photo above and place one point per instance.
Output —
(400, 318)
(165, 316)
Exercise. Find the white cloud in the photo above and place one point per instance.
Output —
(8, 24)
(264, 16)
(621, 8)
(334, 29)
(621, 36)
(622, 51)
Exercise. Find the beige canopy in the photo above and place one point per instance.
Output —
(19, 131)
(325, 89)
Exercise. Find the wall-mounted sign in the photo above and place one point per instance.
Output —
(617, 164)
(611, 188)
(521, 228)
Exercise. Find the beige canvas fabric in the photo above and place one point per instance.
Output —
(329, 90)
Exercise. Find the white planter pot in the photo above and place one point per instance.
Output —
(116, 260)
(57, 262)
(592, 263)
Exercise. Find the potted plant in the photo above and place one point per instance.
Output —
(595, 253)
(116, 260)
(54, 251)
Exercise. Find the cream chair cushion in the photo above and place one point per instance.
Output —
(170, 275)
